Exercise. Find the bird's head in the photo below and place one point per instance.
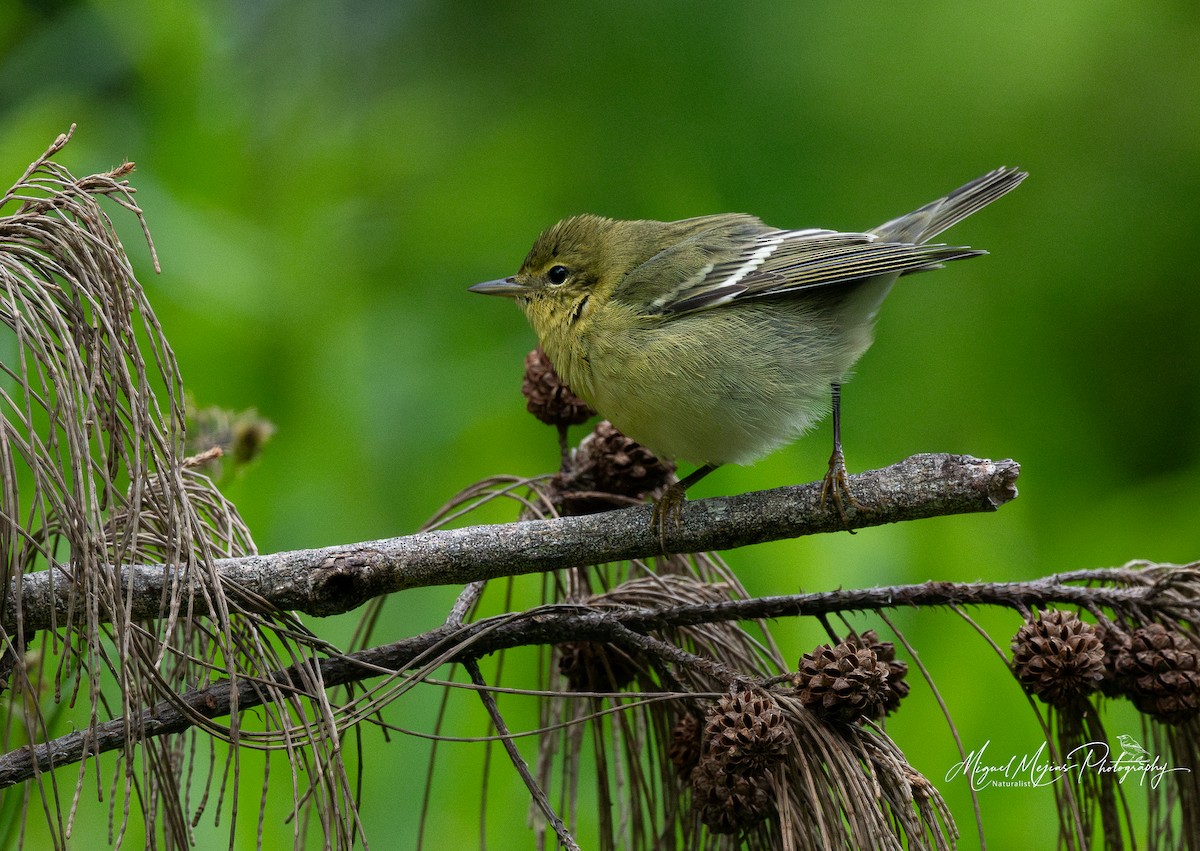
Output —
(573, 267)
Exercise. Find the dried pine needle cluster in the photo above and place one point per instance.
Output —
(94, 474)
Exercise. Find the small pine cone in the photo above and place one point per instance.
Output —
(1058, 657)
(1160, 672)
(844, 682)
(745, 731)
(595, 666)
(728, 802)
(684, 751)
(885, 651)
(547, 398)
(613, 463)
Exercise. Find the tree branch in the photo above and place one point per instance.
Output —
(554, 624)
(337, 579)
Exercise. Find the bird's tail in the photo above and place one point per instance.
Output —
(924, 224)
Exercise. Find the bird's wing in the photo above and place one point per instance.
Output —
(785, 262)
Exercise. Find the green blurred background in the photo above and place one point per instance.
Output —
(324, 180)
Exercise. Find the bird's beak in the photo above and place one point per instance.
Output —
(502, 286)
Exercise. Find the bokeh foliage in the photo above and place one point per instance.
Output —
(324, 180)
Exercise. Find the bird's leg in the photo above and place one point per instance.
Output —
(564, 448)
(835, 485)
(668, 506)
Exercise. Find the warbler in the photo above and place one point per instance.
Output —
(717, 339)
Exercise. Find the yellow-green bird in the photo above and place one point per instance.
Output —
(718, 339)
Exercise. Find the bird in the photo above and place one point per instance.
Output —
(1130, 747)
(717, 339)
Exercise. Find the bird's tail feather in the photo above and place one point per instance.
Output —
(924, 224)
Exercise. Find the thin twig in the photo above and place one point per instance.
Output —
(539, 797)
(465, 601)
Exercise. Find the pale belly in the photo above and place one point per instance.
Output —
(704, 391)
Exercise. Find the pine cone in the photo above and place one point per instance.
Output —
(595, 666)
(609, 463)
(745, 731)
(684, 751)
(1160, 672)
(844, 682)
(1058, 657)
(728, 802)
(885, 651)
(623, 466)
(547, 398)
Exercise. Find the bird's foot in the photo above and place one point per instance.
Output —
(668, 510)
(835, 487)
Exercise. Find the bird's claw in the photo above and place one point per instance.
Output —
(668, 509)
(835, 487)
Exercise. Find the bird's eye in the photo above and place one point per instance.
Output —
(558, 274)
